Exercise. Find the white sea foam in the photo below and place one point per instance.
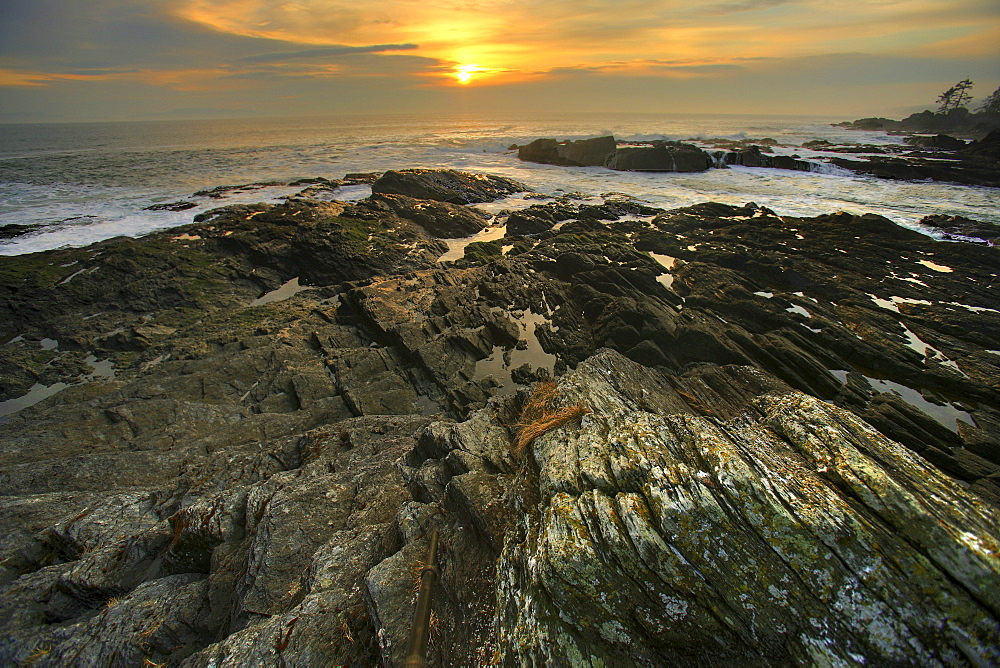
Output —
(87, 183)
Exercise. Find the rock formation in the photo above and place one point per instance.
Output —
(660, 157)
(445, 185)
(580, 153)
(791, 453)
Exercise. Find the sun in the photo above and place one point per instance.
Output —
(464, 73)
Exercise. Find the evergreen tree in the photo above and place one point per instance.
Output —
(991, 104)
(944, 99)
(962, 94)
(955, 97)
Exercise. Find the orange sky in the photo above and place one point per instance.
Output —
(220, 54)
(512, 39)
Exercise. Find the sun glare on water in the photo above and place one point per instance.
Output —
(464, 73)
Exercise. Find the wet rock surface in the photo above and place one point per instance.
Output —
(446, 185)
(792, 451)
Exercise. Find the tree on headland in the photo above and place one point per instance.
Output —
(955, 97)
(991, 105)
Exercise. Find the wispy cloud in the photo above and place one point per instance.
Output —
(325, 52)
(747, 6)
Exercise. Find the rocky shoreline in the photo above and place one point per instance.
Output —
(938, 158)
(959, 122)
(791, 451)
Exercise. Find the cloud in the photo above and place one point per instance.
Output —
(13, 77)
(55, 52)
(325, 52)
(512, 35)
(747, 6)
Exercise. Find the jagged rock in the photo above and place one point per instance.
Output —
(440, 219)
(666, 157)
(805, 525)
(987, 147)
(446, 185)
(538, 218)
(529, 221)
(165, 618)
(277, 467)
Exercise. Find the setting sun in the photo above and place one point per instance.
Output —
(464, 73)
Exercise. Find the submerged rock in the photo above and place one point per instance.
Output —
(11, 230)
(172, 206)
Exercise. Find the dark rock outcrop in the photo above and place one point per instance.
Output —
(439, 219)
(972, 172)
(538, 218)
(172, 206)
(446, 185)
(872, 123)
(960, 122)
(752, 156)
(660, 157)
(792, 420)
(936, 141)
(940, 158)
(580, 153)
(987, 147)
(961, 228)
(219, 192)
(11, 230)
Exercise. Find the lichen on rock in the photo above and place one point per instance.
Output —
(790, 454)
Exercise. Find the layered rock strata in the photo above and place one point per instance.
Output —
(791, 452)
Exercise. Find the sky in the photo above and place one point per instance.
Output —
(96, 60)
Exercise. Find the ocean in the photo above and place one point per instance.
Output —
(83, 182)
